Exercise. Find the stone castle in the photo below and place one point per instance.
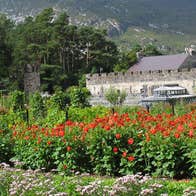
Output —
(144, 76)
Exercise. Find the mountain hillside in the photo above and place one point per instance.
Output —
(170, 16)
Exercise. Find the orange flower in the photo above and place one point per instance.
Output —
(49, 142)
(131, 158)
(147, 137)
(130, 141)
(118, 136)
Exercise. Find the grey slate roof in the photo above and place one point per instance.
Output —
(165, 62)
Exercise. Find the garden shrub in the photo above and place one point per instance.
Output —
(6, 146)
(17, 100)
(60, 100)
(79, 96)
(113, 144)
(37, 107)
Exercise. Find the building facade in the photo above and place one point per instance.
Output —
(147, 74)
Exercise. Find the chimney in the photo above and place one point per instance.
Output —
(191, 51)
(139, 55)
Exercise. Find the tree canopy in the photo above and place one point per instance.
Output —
(63, 51)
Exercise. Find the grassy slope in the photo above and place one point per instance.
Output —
(172, 42)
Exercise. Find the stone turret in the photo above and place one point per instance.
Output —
(32, 78)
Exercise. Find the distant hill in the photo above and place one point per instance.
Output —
(176, 17)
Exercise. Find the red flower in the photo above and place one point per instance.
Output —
(85, 129)
(39, 140)
(180, 128)
(124, 154)
(26, 137)
(69, 123)
(131, 158)
(118, 136)
(68, 148)
(14, 133)
(153, 131)
(115, 149)
(191, 133)
(61, 133)
(176, 135)
(64, 166)
(130, 141)
(49, 142)
(107, 127)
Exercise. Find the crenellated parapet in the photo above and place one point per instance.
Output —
(107, 78)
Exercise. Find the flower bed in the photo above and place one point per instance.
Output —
(159, 145)
(36, 182)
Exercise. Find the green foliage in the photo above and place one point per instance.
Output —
(86, 114)
(60, 49)
(17, 100)
(6, 144)
(60, 100)
(151, 50)
(37, 108)
(79, 96)
(115, 97)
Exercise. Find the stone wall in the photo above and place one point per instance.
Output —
(31, 79)
(134, 82)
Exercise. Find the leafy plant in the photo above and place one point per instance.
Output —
(115, 97)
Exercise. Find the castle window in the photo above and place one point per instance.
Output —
(140, 72)
(169, 71)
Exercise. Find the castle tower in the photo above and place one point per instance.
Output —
(31, 78)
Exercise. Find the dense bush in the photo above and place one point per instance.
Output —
(160, 145)
(6, 146)
(37, 107)
(79, 96)
(17, 100)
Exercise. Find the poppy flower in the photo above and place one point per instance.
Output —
(124, 154)
(177, 135)
(115, 149)
(191, 133)
(130, 141)
(49, 143)
(61, 133)
(107, 127)
(68, 148)
(118, 136)
(131, 158)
